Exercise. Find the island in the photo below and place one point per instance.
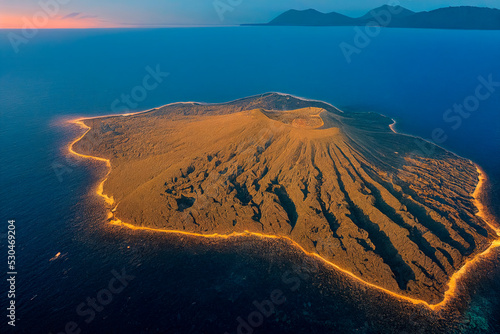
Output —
(392, 210)
(463, 17)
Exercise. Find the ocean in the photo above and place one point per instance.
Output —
(441, 85)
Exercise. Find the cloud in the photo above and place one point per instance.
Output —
(79, 16)
(71, 15)
(88, 17)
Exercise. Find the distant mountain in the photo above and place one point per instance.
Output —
(470, 18)
(453, 18)
(311, 17)
(395, 11)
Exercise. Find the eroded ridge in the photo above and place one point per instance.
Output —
(342, 186)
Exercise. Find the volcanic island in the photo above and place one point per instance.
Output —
(390, 209)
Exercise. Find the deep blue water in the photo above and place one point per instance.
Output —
(183, 285)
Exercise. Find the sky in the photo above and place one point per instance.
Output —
(51, 14)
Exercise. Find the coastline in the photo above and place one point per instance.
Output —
(393, 126)
(484, 214)
(482, 210)
(449, 294)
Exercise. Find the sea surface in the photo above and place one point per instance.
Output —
(183, 284)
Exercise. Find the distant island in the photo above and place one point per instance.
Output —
(465, 17)
(340, 185)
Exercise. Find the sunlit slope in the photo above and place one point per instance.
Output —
(391, 209)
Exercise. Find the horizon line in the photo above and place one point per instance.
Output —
(188, 25)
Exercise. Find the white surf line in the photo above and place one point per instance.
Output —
(393, 125)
